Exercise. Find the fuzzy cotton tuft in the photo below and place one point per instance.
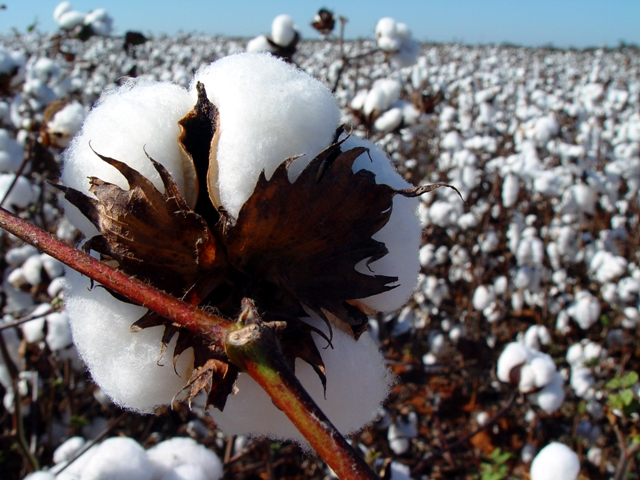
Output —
(357, 383)
(556, 461)
(265, 118)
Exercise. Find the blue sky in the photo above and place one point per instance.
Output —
(563, 23)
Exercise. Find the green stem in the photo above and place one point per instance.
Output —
(252, 348)
(209, 326)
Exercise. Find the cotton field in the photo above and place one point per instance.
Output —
(521, 336)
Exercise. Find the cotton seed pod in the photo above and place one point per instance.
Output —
(209, 163)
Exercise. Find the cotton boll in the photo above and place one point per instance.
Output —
(21, 196)
(389, 120)
(260, 44)
(132, 378)
(40, 476)
(126, 121)
(282, 30)
(33, 330)
(398, 442)
(402, 234)
(581, 380)
(510, 190)
(185, 472)
(551, 397)
(386, 27)
(528, 452)
(58, 332)
(483, 297)
(17, 255)
(354, 391)
(595, 456)
(65, 124)
(70, 20)
(544, 369)
(264, 120)
(118, 458)
(556, 461)
(585, 310)
(182, 451)
(68, 449)
(513, 355)
(63, 7)
(32, 270)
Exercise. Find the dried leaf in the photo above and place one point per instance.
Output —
(154, 236)
(307, 237)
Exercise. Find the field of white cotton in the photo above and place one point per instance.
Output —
(520, 336)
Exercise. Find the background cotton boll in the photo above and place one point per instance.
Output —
(264, 119)
(282, 30)
(58, 331)
(386, 27)
(551, 397)
(32, 270)
(118, 457)
(68, 449)
(556, 461)
(70, 20)
(357, 383)
(132, 379)
(63, 7)
(389, 120)
(22, 194)
(33, 330)
(66, 123)
(185, 472)
(514, 354)
(510, 190)
(483, 296)
(260, 44)
(181, 451)
(11, 153)
(401, 235)
(126, 121)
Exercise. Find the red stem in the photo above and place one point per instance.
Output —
(208, 325)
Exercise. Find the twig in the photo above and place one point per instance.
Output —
(17, 401)
(430, 455)
(26, 319)
(627, 452)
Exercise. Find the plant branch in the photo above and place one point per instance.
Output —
(211, 327)
(252, 348)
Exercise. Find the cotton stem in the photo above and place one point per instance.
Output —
(254, 349)
(209, 326)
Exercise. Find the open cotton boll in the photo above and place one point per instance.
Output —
(556, 461)
(357, 383)
(513, 355)
(264, 119)
(182, 451)
(185, 472)
(70, 20)
(389, 120)
(68, 449)
(118, 458)
(63, 7)
(58, 331)
(260, 44)
(22, 195)
(402, 234)
(66, 123)
(282, 30)
(551, 397)
(132, 378)
(386, 27)
(126, 121)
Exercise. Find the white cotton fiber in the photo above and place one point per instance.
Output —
(126, 121)
(22, 194)
(124, 364)
(513, 355)
(183, 451)
(118, 458)
(185, 472)
(556, 461)
(357, 383)
(58, 331)
(402, 234)
(265, 118)
(66, 123)
(282, 30)
(68, 449)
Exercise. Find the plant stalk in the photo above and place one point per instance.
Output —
(252, 349)
(205, 324)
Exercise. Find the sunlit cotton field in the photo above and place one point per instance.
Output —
(498, 340)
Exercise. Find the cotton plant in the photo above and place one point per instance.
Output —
(394, 38)
(283, 40)
(534, 373)
(250, 140)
